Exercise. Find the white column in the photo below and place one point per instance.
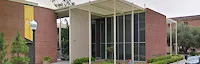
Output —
(176, 40)
(106, 38)
(124, 38)
(90, 39)
(132, 34)
(60, 39)
(170, 29)
(70, 36)
(115, 32)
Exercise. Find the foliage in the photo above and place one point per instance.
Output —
(64, 3)
(105, 62)
(155, 59)
(194, 53)
(19, 51)
(82, 60)
(3, 51)
(110, 50)
(188, 37)
(65, 41)
(47, 58)
(168, 59)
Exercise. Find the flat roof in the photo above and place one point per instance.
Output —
(102, 8)
(168, 20)
(187, 18)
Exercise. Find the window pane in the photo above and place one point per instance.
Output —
(128, 28)
(102, 51)
(102, 27)
(119, 29)
(93, 31)
(142, 20)
(142, 27)
(110, 30)
(136, 51)
(128, 51)
(93, 50)
(142, 36)
(121, 51)
(135, 27)
(110, 55)
(142, 52)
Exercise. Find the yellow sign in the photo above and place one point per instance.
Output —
(28, 17)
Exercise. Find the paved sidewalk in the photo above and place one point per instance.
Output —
(180, 62)
(61, 62)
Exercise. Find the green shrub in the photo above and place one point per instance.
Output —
(194, 53)
(160, 62)
(82, 60)
(173, 58)
(47, 58)
(3, 50)
(19, 50)
(155, 59)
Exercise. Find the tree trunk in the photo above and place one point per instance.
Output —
(185, 50)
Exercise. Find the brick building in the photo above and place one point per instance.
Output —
(15, 16)
(98, 25)
(136, 33)
(189, 20)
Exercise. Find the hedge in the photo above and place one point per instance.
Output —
(171, 60)
(82, 60)
(155, 59)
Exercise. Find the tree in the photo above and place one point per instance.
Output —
(65, 41)
(63, 3)
(19, 51)
(3, 51)
(188, 37)
(110, 51)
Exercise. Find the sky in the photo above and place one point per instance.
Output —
(170, 8)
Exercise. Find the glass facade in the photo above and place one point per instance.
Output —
(98, 36)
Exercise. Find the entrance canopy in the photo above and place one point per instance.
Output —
(102, 8)
(170, 21)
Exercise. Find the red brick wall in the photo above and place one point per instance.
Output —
(46, 34)
(11, 20)
(194, 23)
(156, 37)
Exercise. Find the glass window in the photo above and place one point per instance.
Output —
(93, 31)
(110, 30)
(142, 26)
(135, 27)
(93, 50)
(128, 28)
(102, 51)
(142, 52)
(139, 36)
(136, 51)
(142, 20)
(119, 29)
(102, 30)
(128, 51)
(121, 52)
(110, 55)
(142, 36)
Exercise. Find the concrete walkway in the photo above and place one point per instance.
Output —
(180, 62)
(61, 62)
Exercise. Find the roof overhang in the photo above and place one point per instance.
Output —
(170, 20)
(102, 8)
(25, 2)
